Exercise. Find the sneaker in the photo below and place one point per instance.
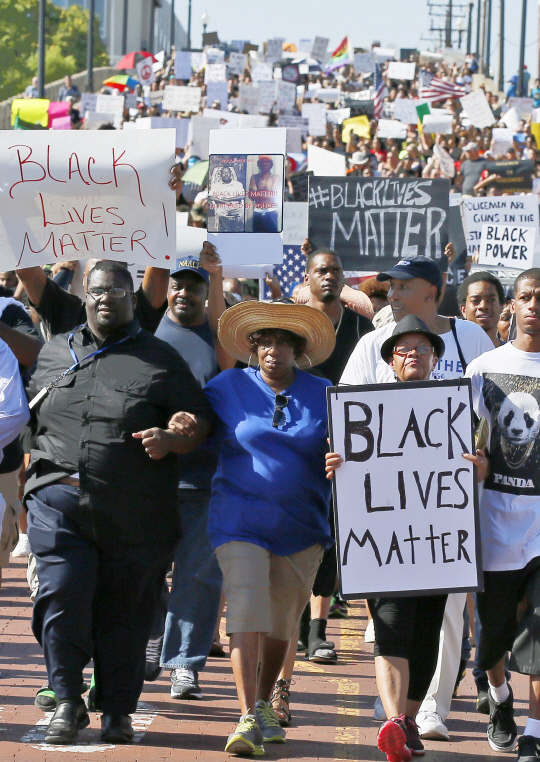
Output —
(378, 710)
(338, 608)
(153, 668)
(502, 730)
(247, 739)
(430, 725)
(528, 749)
(268, 722)
(482, 700)
(369, 634)
(185, 684)
(413, 738)
(22, 548)
(392, 740)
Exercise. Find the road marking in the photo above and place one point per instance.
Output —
(347, 738)
(141, 721)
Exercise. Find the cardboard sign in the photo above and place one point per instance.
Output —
(446, 162)
(400, 70)
(516, 175)
(81, 194)
(507, 246)
(496, 210)
(249, 99)
(215, 73)
(374, 222)
(217, 91)
(364, 63)
(391, 128)
(435, 123)
(88, 102)
(325, 163)
(237, 63)
(477, 109)
(405, 499)
(337, 115)
(523, 106)
(295, 123)
(261, 72)
(316, 114)
(245, 195)
(267, 93)
(503, 139)
(184, 99)
(274, 50)
(214, 55)
(181, 126)
(111, 104)
(319, 48)
(145, 72)
(286, 96)
(182, 64)
(210, 38)
(405, 110)
(511, 119)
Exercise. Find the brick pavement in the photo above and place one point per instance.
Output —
(332, 705)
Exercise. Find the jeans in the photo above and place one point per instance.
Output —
(196, 589)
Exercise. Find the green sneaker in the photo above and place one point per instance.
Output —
(268, 722)
(247, 739)
(45, 698)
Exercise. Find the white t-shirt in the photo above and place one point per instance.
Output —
(506, 391)
(366, 365)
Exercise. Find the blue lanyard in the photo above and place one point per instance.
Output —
(92, 354)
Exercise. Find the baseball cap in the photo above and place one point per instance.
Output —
(190, 264)
(471, 146)
(415, 267)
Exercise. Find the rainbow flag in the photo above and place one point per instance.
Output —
(341, 56)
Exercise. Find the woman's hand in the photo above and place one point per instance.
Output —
(333, 461)
(184, 424)
(482, 463)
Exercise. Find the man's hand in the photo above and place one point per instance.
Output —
(482, 463)
(184, 424)
(273, 284)
(450, 252)
(156, 442)
(175, 183)
(209, 258)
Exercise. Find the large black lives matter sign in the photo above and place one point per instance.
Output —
(373, 222)
(405, 498)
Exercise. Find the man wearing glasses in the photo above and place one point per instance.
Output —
(101, 497)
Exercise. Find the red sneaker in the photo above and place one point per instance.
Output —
(413, 738)
(392, 740)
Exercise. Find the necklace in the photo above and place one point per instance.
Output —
(340, 319)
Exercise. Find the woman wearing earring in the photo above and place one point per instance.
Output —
(268, 518)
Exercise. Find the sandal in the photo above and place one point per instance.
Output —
(280, 702)
(322, 652)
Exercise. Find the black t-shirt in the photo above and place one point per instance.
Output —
(471, 171)
(351, 330)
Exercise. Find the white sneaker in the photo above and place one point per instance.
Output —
(22, 548)
(369, 634)
(431, 726)
(378, 710)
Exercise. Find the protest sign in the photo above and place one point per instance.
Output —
(189, 240)
(507, 245)
(77, 194)
(451, 55)
(215, 73)
(237, 63)
(88, 102)
(399, 70)
(374, 222)
(383, 54)
(338, 115)
(319, 48)
(274, 50)
(405, 499)
(391, 128)
(329, 94)
(405, 110)
(446, 162)
(145, 72)
(267, 95)
(182, 64)
(111, 104)
(227, 119)
(478, 109)
(294, 142)
(181, 126)
(503, 139)
(93, 120)
(496, 210)
(130, 101)
(252, 121)
(286, 96)
(249, 99)
(198, 60)
(316, 114)
(217, 91)
(300, 185)
(357, 124)
(325, 163)
(239, 45)
(295, 123)
(515, 175)
(291, 73)
(438, 123)
(305, 46)
(245, 194)
(523, 106)
(261, 72)
(185, 99)
(295, 223)
(200, 132)
(214, 55)
(511, 119)
(364, 63)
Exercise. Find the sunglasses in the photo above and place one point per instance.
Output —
(281, 402)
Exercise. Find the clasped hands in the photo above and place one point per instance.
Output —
(160, 442)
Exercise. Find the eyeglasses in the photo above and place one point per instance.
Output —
(116, 293)
(404, 351)
(281, 402)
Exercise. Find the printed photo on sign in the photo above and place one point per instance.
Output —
(264, 207)
(514, 448)
(226, 194)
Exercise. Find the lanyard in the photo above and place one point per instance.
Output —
(46, 389)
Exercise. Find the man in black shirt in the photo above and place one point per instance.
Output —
(101, 495)
(471, 168)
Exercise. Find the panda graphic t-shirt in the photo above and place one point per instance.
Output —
(506, 391)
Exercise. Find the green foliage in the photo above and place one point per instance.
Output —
(65, 39)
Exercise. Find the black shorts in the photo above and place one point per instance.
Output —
(326, 579)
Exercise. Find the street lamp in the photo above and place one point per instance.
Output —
(460, 26)
(205, 18)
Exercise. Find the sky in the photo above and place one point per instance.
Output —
(395, 23)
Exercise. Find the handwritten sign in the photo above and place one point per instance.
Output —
(185, 99)
(438, 123)
(319, 48)
(391, 128)
(507, 246)
(249, 99)
(286, 95)
(261, 72)
(405, 498)
(364, 63)
(477, 109)
(316, 114)
(496, 210)
(237, 63)
(182, 64)
(217, 91)
(400, 70)
(374, 222)
(75, 195)
(405, 110)
(267, 94)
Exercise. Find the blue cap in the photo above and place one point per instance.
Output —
(415, 267)
(190, 264)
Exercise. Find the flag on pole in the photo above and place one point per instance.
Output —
(380, 87)
(341, 56)
(431, 88)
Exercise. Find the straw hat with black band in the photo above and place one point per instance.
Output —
(411, 324)
(239, 322)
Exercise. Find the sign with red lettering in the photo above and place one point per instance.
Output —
(405, 498)
(75, 195)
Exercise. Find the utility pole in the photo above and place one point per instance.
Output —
(488, 36)
(521, 83)
(152, 24)
(478, 25)
(482, 51)
(501, 45)
(189, 26)
(90, 48)
(124, 28)
(41, 49)
(469, 28)
(448, 41)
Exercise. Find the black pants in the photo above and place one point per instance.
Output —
(409, 628)
(93, 602)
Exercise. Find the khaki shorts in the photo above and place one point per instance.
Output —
(9, 489)
(265, 592)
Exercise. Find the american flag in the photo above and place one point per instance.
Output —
(431, 88)
(290, 272)
(379, 93)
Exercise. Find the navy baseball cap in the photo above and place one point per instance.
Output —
(190, 264)
(415, 267)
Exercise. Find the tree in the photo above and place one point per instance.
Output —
(65, 40)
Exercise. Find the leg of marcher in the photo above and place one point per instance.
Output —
(273, 653)
(245, 662)
(282, 689)
(392, 675)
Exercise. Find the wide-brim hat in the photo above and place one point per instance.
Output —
(411, 324)
(239, 322)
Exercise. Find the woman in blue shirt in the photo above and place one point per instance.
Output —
(268, 517)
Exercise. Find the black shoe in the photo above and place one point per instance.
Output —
(70, 717)
(116, 728)
(528, 749)
(502, 730)
(482, 701)
(152, 671)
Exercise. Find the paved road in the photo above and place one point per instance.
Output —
(332, 705)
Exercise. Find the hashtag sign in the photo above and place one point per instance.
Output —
(318, 196)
